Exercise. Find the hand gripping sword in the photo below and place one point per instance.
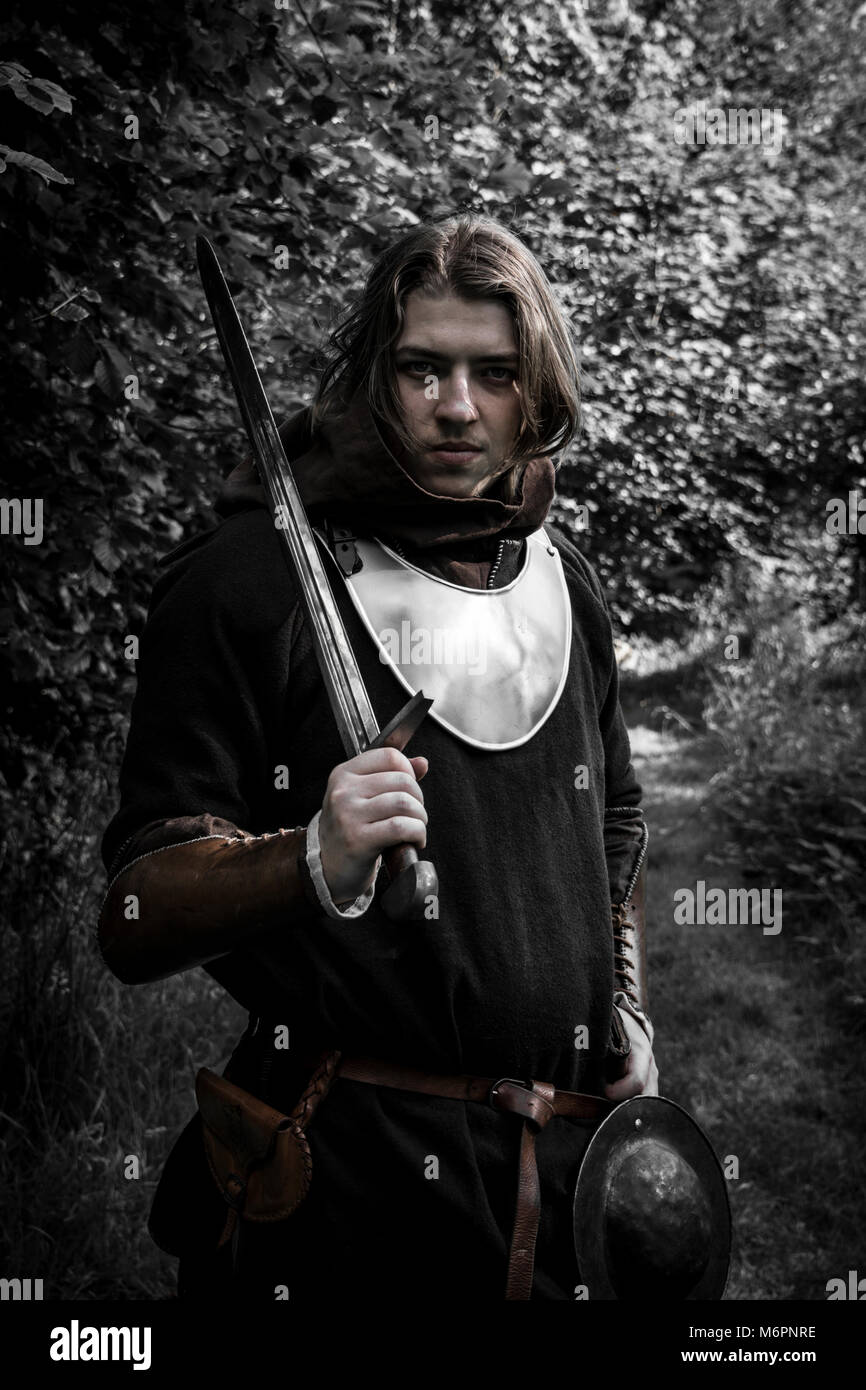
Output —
(413, 881)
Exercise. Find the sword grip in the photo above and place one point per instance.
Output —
(413, 883)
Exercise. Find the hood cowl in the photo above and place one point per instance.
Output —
(350, 472)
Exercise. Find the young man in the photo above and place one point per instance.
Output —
(426, 465)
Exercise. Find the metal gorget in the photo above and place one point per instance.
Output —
(494, 661)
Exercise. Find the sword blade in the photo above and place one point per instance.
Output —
(340, 672)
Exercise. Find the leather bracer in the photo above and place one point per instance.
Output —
(189, 903)
(629, 952)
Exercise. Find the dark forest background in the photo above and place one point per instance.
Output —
(716, 297)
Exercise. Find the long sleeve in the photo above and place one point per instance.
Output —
(625, 831)
(200, 862)
(216, 646)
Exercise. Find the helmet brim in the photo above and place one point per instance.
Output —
(663, 1121)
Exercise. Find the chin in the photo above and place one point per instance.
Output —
(450, 483)
(449, 486)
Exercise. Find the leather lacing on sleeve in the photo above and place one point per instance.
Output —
(619, 915)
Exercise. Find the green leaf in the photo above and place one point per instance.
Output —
(12, 72)
(27, 94)
(104, 379)
(105, 555)
(73, 312)
(59, 99)
(34, 165)
(80, 354)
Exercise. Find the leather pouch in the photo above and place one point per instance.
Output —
(236, 1156)
(259, 1158)
(619, 1047)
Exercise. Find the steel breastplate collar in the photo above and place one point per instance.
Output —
(494, 661)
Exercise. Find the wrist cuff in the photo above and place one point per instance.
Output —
(313, 862)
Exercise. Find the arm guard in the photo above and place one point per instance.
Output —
(189, 903)
(629, 948)
(628, 922)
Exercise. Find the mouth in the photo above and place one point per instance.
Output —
(456, 452)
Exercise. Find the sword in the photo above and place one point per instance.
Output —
(413, 881)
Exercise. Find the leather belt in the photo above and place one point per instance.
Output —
(536, 1102)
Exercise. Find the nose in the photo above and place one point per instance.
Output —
(455, 399)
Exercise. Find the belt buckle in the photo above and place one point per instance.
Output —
(503, 1080)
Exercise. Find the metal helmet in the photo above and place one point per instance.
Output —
(651, 1213)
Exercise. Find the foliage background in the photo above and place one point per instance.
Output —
(716, 295)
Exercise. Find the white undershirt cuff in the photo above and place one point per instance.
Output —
(317, 874)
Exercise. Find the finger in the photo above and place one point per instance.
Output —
(639, 1080)
(393, 803)
(396, 830)
(420, 765)
(636, 1079)
(379, 760)
(375, 783)
(627, 1086)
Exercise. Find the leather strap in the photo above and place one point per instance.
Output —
(536, 1102)
(511, 1093)
(316, 1089)
(521, 1259)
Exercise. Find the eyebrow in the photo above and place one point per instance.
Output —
(428, 354)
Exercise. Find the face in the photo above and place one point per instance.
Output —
(456, 364)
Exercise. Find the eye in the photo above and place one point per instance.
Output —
(507, 373)
(421, 365)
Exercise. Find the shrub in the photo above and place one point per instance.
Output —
(791, 718)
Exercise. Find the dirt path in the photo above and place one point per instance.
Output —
(744, 1041)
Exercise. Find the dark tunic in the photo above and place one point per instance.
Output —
(518, 959)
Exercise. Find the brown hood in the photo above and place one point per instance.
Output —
(351, 475)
